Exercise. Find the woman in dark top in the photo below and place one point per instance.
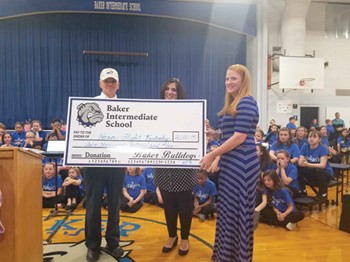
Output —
(176, 186)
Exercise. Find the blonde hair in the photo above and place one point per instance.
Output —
(231, 102)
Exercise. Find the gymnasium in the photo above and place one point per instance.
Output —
(51, 57)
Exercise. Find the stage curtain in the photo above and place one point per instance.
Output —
(42, 61)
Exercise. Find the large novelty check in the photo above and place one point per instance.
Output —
(124, 132)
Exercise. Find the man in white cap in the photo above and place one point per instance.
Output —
(109, 83)
(96, 180)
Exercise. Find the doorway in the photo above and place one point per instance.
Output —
(307, 114)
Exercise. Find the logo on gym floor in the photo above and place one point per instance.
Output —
(74, 248)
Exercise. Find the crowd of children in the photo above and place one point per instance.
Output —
(31, 135)
(290, 157)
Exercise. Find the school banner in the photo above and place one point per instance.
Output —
(236, 17)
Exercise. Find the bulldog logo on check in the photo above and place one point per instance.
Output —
(89, 114)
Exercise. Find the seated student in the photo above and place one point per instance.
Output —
(259, 136)
(330, 128)
(264, 157)
(2, 131)
(40, 134)
(265, 164)
(280, 210)
(18, 136)
(133, 191)
(153, 195)
(271, 137)
(49, 137)
(204, 194)
(285, 142)
(314, 166)
(342, 144)
(56, 129)
(272, 122)
(291, 123)
(6, 140)
(334, 156)
(72, 187)
(27, 126)
(300, 137)
(314, 124)
(293, 133)
(29, 140)
(49, 187)
(52, 136)
(324, 138)
(260, 201)
(288, 173)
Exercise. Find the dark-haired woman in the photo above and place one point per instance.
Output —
(176, 186)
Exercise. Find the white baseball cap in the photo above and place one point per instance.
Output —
(109, 72)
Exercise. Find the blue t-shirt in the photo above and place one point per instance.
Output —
(330, 129)
(293, 150)
(50, 184)
(281, 199)
(300, 142)
(204, 192)
(63, 133)
(342, 142)
(271, 138)
(18, 138)
(324, 141)
(149, 176)
(291, 126)
(134, 185)
(42, 134)
(292, 172)
(313, 156)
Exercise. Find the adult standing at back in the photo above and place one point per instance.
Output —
(96, 180)
(337, 122)
(175, 185)
(239, 167)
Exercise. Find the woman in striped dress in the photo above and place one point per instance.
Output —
(239, 167)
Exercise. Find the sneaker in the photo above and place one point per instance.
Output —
(291, 226)
(321, 198)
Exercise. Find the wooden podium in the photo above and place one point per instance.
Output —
(21, 210)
